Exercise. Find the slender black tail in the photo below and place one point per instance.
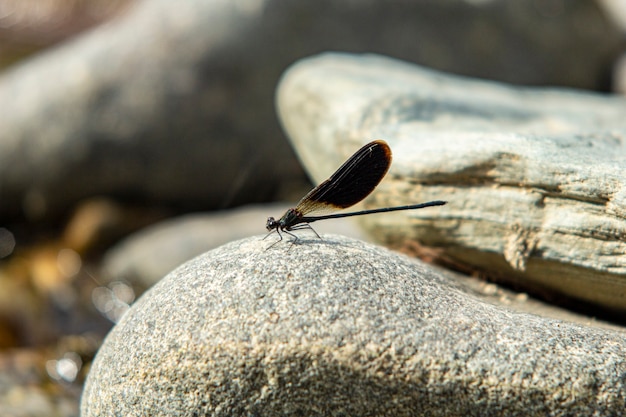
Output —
(312, 219)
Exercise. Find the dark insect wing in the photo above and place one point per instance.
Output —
(352, 182)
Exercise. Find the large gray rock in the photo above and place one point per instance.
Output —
(534, 178)
(338, 327)
(172, 102)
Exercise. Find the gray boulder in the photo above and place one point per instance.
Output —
(339, 327)
(534, 178)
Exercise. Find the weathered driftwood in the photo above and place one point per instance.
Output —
(534, 177)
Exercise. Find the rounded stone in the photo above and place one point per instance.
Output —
(335, 326)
